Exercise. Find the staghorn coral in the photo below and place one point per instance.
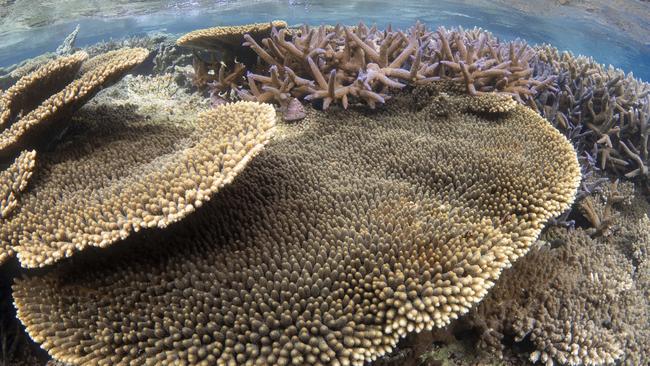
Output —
(364, 63)
(100, 72)
(114, 178)
(599, 209)
(579, 300)
(349, 64)
(606, 111)
(344, 234)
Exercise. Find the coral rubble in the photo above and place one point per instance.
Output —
(344, 234)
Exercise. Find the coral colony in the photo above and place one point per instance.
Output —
(405, 172)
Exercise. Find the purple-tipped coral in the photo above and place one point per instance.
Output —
(604, 112)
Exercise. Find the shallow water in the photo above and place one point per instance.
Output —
(25, 34)
(421, 180)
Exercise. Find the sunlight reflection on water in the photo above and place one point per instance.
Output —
(578, 35)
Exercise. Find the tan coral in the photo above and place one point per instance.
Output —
(579, 300)
(25, 132)
(34, 88)
(13, 181)
(218, 38)
(117, 178)
(344, 234)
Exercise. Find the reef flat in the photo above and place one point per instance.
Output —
(386, 214)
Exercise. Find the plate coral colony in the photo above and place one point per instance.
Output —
(320, 195)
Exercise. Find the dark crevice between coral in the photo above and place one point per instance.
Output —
(16, 347)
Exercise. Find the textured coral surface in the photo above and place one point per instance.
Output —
(578, 300)
(120, 173)
(348, 231)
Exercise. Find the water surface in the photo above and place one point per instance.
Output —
(578, 34)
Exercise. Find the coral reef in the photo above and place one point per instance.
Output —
(112, 178)
(185, 293)
(605, 112)
(344, 234)
(579, 300)
(345, 64)
(53, 81)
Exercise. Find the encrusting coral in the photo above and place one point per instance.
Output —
(345, 233)
(579, 300)
(112, 178)
(27, 116)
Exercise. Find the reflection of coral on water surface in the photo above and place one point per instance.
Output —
(332, 195)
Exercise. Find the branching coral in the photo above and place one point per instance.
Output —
(579, 300)
(344, 234)
(609, 110)
(348, 64)
(114, 178)
(365, 62)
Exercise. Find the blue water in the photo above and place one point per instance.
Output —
(578, 35)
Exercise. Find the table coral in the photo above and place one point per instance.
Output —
(50, 94)
(113, 178)
(13, 181)
(345, 233)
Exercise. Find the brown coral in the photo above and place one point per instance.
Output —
(25, 132)
(579, 300)
(117, 177)
(226, 37)
(32, 89)
(14, 180)
(346, 233)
